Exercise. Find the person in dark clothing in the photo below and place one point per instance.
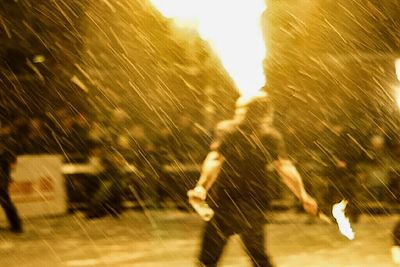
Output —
(340, 156)
(109, 196)
(236, 168)
(7, 161)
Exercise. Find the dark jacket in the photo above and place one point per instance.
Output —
(239, 194)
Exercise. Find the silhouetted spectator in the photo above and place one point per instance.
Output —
(108, 198)
(340, 155)
(8, 150)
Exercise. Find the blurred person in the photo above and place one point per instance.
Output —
(340, 155)
(79, 136)
(191, 140)
(108, 199)
(96, 132)
(392, 140)
(379, 162)
(118, 125)
(64, 134)
(163, 143)
(234, 174)
(21, 128)
(38, 140)
(143, 156)
(8, 151)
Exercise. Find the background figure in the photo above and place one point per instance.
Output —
(109, 196)
(163, 155)
(339, 158)
(143, 155)
(8, 151)
(237, 164)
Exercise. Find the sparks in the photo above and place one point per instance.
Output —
(341, 219)
(233, 29)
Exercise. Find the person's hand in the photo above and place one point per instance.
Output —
(197, 194)
(310, 205)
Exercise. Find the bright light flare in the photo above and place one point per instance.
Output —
(341, 219)
(397, 95)
(233, 29)
(397, 65)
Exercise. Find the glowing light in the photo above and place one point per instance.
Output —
(341, 219)
(233, 29)
(396, 254)
(397, 95)
(397, 64)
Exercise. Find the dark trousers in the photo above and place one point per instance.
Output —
(5, 200)
(215, 238)
(343, 184)
(108, 199)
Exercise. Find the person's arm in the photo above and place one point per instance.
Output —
(210, 170)
(292, 179)
(209, 173)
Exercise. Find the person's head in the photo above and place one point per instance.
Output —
(185, 120)
(254, 109)
(119, 115)
(377, 142)
(36, 124)
(113, 159)
(137, 131)
(5, 128)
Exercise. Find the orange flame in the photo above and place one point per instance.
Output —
(341, 219)
(233, 28)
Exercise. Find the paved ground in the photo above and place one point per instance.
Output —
(171, 238)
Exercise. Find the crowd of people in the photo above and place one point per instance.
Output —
(335, 162)
(79, 138)
(77, 135)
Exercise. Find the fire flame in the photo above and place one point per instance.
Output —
(233, 29)
(341, 219)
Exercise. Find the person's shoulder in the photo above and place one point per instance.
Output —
(226, 126)
(271, 132)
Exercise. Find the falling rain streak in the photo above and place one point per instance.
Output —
(108, 110)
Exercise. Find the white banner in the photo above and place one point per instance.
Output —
(38, 186)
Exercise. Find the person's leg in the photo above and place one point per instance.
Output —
(396, 234)
(350, 188)
(214, 241)
(254, 243)
(10, 210)
(97, 206)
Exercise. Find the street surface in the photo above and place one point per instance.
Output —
(171, 238)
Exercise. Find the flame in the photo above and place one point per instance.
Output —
(396, 254)
(341, 219)
(233, 29)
